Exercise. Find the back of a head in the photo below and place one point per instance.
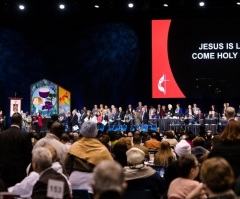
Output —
(217, 174)
(185, 164)
(182, 148)
(136, 139)
(154, 135)
(57, 129)
(108, 176)
(42, 157)
(170, 134)
(230, 112)
(198, 141)
(89, 129)
(231, 132)
(16, 119)
(135, 156)
(65, 138)
(165, 146)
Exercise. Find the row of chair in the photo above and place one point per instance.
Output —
(129, 194)
(133, 128)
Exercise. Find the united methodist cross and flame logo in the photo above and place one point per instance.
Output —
(162, 86)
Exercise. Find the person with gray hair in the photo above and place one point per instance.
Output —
(108, 180)
(140, 176)
(230, 113)
(42, 164)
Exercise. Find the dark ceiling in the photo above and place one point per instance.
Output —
(153, 8)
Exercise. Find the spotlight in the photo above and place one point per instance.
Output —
(165, 5)
(21, 7)
(130, 5)
(238, 3)
(62, 6)
(96, 6)
(201, 3)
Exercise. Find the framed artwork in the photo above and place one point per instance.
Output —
(15, 105)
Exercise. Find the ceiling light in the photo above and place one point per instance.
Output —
(62, 6)
(201, 4)
(96, 6)
(130, 5)
(165, 5)
(238, 3)
(21, 7)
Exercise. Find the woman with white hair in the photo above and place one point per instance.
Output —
(139, 176)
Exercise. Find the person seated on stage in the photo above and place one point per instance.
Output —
(169, 111)
(178, 111)
(121, 115)
(212, 115)
(153, 143)
(171, 138)
(163, 112)
(189, 115)
(195, 109)
(199, 117)
(108, 180)
(140, 177)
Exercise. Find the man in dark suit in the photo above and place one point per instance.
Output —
(41, 163)
(145, 116)
(15, 152)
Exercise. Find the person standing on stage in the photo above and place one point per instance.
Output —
(38, 123)
(27, 122)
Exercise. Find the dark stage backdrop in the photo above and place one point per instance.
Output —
(100, 60)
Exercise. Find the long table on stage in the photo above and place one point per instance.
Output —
(175, 124)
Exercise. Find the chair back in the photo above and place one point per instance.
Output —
(80, 194)
(139, 194)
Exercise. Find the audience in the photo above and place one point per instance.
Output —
(108, 180)
(165, 155)
(229, 146)
(170, 137)
(15, 152)
(84, 155)
(182, 148)
(53, 138)
(137, 144)
(188, 169)
(217, 177)
(153, 143)
(42, 162)
(140, 176)
(119, 152)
